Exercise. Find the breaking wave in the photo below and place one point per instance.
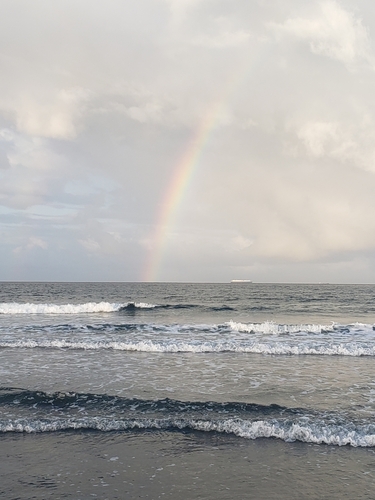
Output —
(269, 327)
(71, 411)
(18, 397)
(363, 436)
(175, 346)
(95, 307)
(89, 307)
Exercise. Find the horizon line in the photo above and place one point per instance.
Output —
(193, 282)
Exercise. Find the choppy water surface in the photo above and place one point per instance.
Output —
(272, 363)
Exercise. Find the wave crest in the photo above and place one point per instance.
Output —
(277, 348)
(339, 435)
(88, 307)
(38, 411)
(269, 327)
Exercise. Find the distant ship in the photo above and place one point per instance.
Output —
(241, 281)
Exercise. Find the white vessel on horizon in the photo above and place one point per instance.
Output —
(241, 281)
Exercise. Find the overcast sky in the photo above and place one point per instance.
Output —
(99, 104)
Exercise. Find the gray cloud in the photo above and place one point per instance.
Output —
(99, 104)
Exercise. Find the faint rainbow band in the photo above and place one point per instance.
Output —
(182, 176)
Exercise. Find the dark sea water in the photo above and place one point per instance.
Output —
(192, 391)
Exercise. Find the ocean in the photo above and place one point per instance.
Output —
(188, 391)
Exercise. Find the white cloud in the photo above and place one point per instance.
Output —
(148, 112)
(180, 8)
(52, 114)
(32, 242)
(225, 38)
(333, 32)
(30, 152)
(90, 244)
(316, 136)
(32, 167)
(349, 143)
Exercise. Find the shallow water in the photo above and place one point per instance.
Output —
(83, 465)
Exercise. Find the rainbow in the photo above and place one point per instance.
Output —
(181, 179)
(177, 186)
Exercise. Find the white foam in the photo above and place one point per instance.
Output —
(144, 305)
(89, 307)
(317, 433)
(269, 327)
(278, 348)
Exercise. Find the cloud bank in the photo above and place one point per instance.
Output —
(100, 103)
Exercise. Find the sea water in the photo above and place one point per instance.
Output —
(193, 391)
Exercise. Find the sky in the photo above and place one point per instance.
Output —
(187, 140)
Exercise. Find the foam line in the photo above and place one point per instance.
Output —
(273, 348)
(317, 433)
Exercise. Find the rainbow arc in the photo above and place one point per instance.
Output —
(182, 176)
